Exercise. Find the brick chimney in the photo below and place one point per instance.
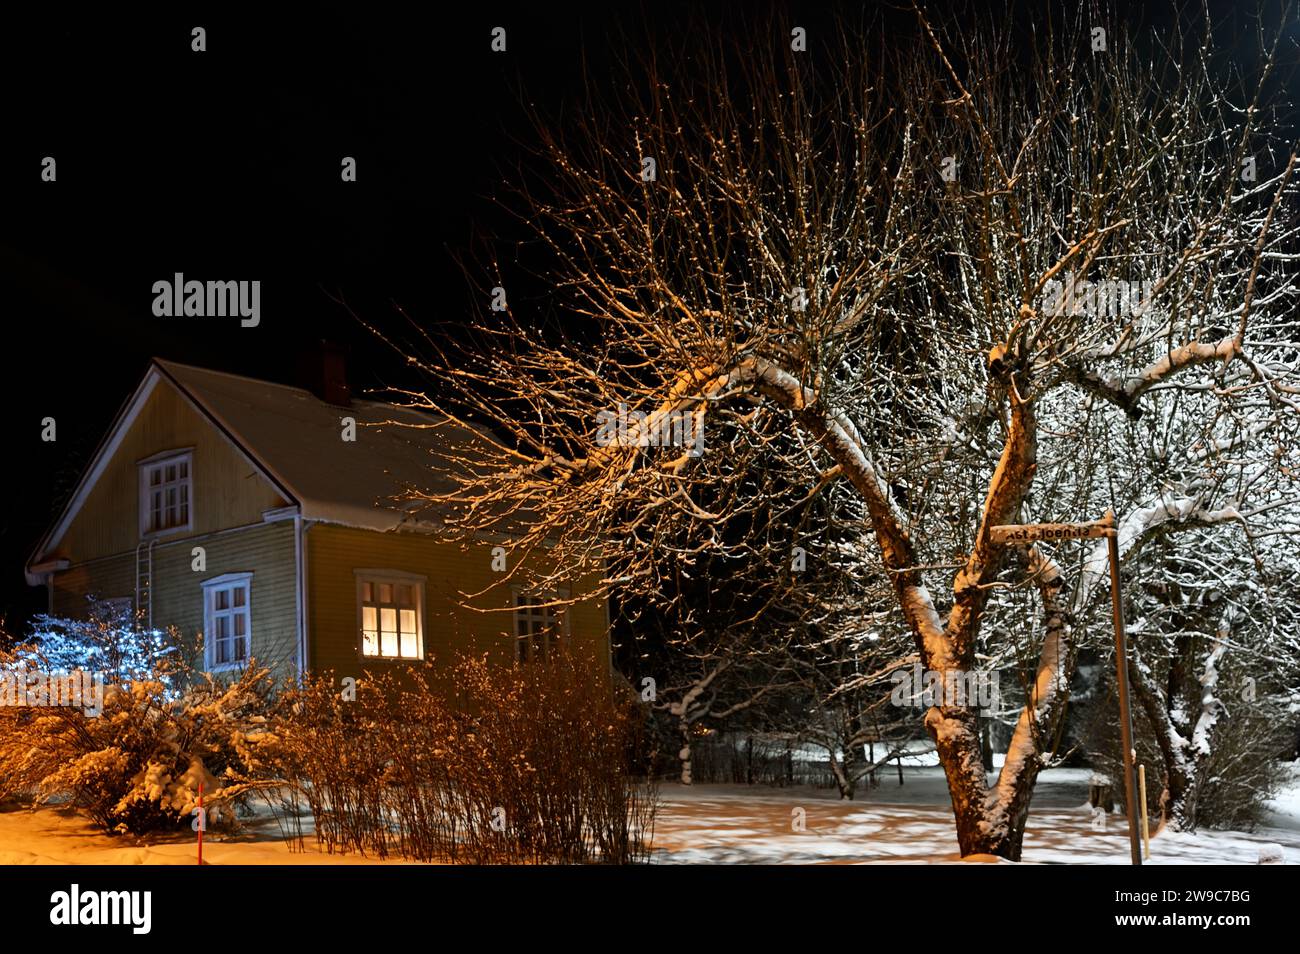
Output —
(324, 371)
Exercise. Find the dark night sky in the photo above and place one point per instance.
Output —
(225, 165)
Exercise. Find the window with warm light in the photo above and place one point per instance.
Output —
(391, 608)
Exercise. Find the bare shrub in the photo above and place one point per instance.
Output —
(530, 764)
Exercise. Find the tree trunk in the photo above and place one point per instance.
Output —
(1174, 800)
(987, 822)
(992, 820)
(1183, 758)
(956, 737)
(685, 753)
(843, 777)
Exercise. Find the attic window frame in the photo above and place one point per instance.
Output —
(376, 577)
(146, 468)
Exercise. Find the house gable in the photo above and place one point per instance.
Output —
(104, 517)
(298, 534)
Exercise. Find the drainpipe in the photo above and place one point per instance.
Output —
(300, 591)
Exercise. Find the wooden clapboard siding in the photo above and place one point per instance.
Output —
(227, 490)
(266, 550)
(334, 553)
(229, 500)
(111, 578)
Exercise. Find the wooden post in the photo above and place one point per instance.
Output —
(1121, 685)
(203, 822)
(1142, 800)
(1017, 535)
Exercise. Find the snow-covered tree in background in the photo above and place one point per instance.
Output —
(1216, 667)
(847, 706)
(967, 278)
(846, 641)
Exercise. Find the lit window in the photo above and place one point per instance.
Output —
(538, 627)
(227, 620)
(165, 492)
(392, 614)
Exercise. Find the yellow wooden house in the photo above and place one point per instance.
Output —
(265, 518)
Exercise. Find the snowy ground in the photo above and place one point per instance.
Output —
(52, 836)
(912, 823)
(725, 824)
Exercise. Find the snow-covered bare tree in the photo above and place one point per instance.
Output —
(951, 276)
(847, 703)
(844, 643)
(1216, 674)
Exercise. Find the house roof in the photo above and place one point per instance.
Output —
(295, 439)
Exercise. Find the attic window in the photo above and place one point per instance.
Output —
(391, 607)
(166, 491)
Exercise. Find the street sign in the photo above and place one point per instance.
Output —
(1031, 532)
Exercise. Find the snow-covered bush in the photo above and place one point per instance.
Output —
(108, 639)
(137, 766)
(134, 760)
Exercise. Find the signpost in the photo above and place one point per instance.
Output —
(1033, 532)
(1105, 527)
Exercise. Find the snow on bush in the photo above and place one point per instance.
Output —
(108, 640)
(137, 765)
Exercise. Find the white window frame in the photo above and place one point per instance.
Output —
(147, 467)
(525, 613)
(227, 581)
(376, 577)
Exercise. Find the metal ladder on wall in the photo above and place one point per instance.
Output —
(144, 582)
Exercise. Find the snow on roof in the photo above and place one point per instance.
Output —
(298, 440)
